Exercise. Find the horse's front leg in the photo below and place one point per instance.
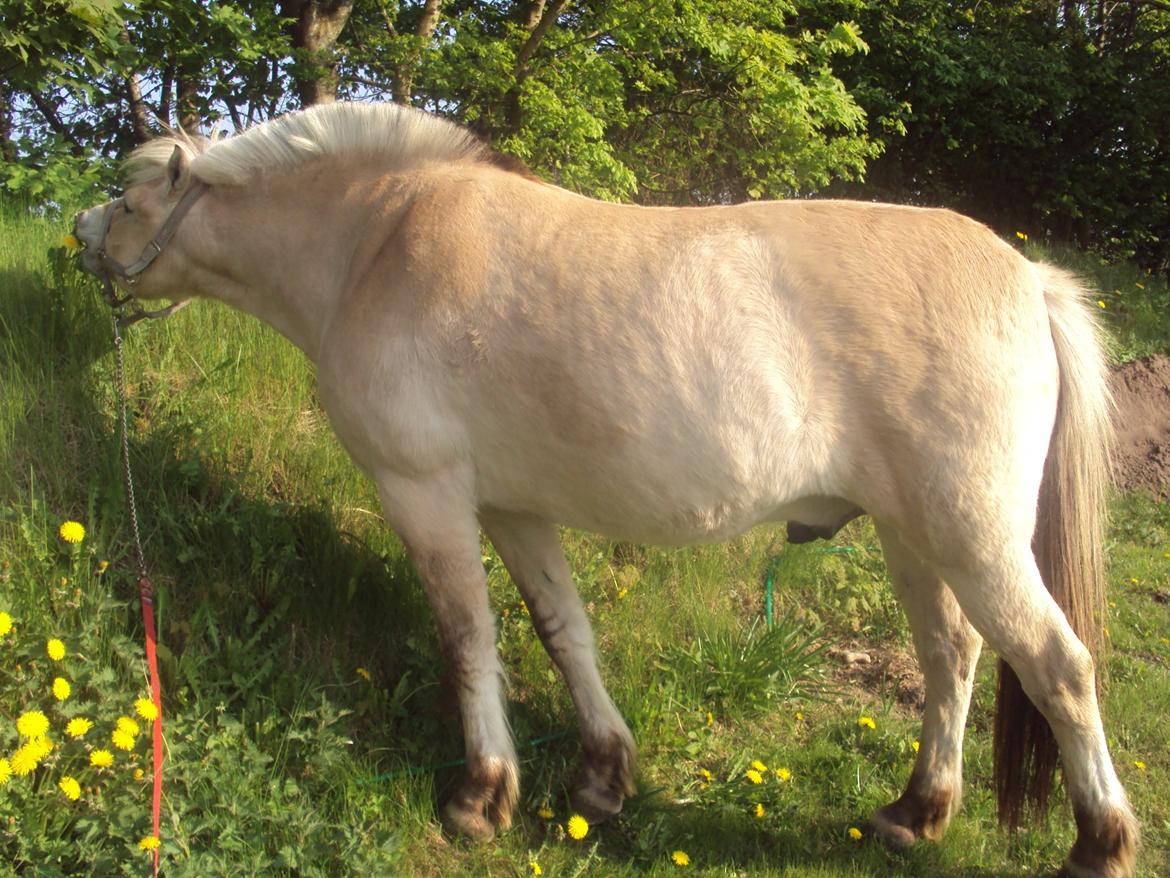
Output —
(436, 519)
(532, 553)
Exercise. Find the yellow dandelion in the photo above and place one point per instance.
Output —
(138, 773)
(799, 716)
(5, 624)
(71, 532)
(759, 810)
(32, 724)
(24, 760)
(71, 243)
(783, 774)
(622, 592)
(866, 722)
(1139, 765)
(914, 745)
(122, 739)
(127, 725)
(102, 567)
(5, 771)
(149, 843)
(710, 719)
(681, 858)
(61, 688)
(754, 776)
(56, 649)
(77, 727)
(534, 868)
(364, 674)
(545, 813)
(101, 758)
(578, 827)
(854, 833)
(758, 765)
(1101, 303)
(705, 774)
(70, 787)
(145, 708)
(1023, 236)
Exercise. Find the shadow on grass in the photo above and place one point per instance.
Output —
(259, 599)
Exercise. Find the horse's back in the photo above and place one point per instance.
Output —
(674, 375)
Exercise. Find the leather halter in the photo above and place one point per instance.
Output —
(130, 274)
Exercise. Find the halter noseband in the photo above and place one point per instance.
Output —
(130, 274)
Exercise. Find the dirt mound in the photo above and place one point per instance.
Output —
(1142, 392)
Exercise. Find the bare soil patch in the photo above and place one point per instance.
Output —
(1141, 390)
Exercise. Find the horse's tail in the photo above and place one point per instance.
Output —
(1068, 537)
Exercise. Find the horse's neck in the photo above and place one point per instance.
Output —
(282, 252)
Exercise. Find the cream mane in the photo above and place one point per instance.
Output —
(390, 132)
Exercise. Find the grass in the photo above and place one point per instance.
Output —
(278, 582)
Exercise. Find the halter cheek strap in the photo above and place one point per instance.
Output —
(130, 274)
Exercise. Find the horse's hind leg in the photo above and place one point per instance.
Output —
(437, 522)
(532, 553)
(948, 648)
(1004, 596)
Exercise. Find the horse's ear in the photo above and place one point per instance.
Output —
(178, 169)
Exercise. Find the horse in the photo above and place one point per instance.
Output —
(497, 352)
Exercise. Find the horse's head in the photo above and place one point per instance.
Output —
(125, 237)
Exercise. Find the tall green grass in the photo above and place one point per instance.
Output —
(281, 591)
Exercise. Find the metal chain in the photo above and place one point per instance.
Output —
(128, 477)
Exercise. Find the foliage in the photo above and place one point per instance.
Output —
(1046, 117)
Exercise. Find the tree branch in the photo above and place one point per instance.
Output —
(404, 74)
(59, 128)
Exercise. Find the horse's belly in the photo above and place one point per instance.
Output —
(647, 491)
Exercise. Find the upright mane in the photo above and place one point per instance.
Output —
(387, 132)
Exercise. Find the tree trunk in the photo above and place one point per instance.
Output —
(540, 16)
(188, 108)
(314, 32)
(404, 74)
(7, 147)
(139, 120)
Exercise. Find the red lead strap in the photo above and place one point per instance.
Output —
(146, 593)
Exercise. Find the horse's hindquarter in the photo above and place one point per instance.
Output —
(663, 375)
